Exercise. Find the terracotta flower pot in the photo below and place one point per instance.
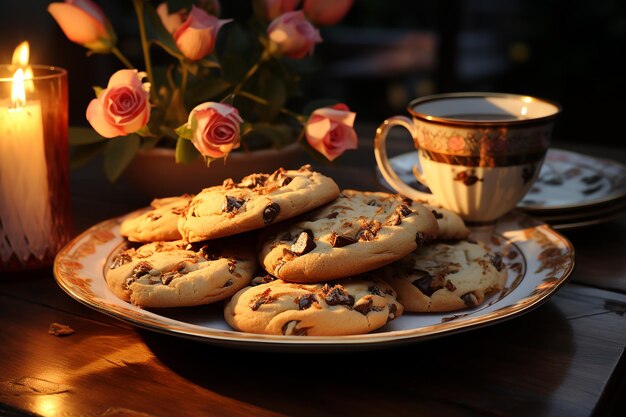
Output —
(155, 172)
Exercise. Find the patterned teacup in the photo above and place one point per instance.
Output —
(479, 153)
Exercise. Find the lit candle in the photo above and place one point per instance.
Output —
(24, 192)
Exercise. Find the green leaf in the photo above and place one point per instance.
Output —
(79, 136)
(184, 132)
(273, 89)
(118, 154)
(185, 151)
(80, 155)
(206, 89)
(144, 132)
(98, 90)
(176, 110)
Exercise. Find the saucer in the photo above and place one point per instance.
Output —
(572, 190)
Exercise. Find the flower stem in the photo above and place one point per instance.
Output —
(183, 83)
(300, 118)
(139, 7)
(122, 58)
(264, 56)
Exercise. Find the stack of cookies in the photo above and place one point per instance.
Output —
(290, 254)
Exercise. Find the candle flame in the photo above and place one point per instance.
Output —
(18, 93)
(21, 54)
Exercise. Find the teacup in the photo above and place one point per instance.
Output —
(479, 153)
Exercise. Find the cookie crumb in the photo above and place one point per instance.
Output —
(59, 329)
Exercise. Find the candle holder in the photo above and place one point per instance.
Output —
(35, 206)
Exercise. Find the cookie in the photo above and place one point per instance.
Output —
(257, 201)
(356, 233)
(174, 274)
(158, 224)
(344, 307)
(451, 225)
(442, 277)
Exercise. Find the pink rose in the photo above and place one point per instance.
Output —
(215, 128)
(123, 107)
(196, 36)
(274, 8)
(292, 35)
(84, 23)
(171, 21)
(329, 130)
(326, 12)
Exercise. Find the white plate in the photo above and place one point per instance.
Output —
(539, 261)
(567, 180)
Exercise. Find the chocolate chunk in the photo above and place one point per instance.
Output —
(450, 286)
(284, 181)
(262, 279)
(374, 290)
(339, 241)
(496, 260)
(232, 204)
(290, 329)
(420, 238)
(123, 259)
(304, 244)
(305, 301)
(169, 276)
(426, 283)
(336, 295)
(372, 203)
(437, 214)
(141, 269)
(264, 298)
(470, 299)
(332, 215)
(270, 213)
(253, 181)
(393, 312)
(365, 307)
(403, 210)
(228, 283)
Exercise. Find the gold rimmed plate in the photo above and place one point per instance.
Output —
(539, 261)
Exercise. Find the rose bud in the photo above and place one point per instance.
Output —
(271, 9)
(196, 36)
(326, 12)
(84, 23)
(171, 21)
(215, 128)
(123, 107)
(329, 130)
(292, 35)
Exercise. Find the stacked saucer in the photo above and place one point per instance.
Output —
(573, 190)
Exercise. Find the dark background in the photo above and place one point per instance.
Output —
(386, 52)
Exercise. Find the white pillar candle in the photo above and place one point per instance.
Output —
(24, 200)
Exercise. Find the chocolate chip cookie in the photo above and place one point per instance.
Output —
(442, 277)
(177, 274)
(451, 225)
(158, 224)
(350, 306)
(358, 232)
(257, 201)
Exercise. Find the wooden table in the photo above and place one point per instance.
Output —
(565, 358)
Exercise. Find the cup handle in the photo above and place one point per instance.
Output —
(380, 151)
